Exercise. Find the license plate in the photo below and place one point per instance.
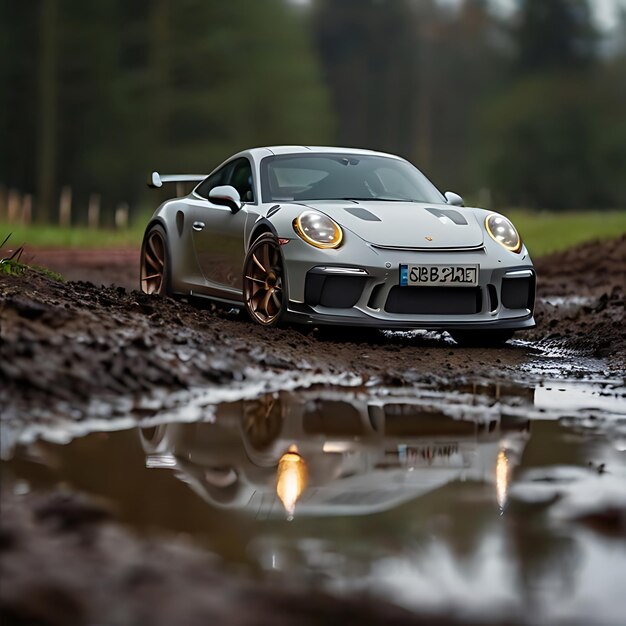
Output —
(436, 275)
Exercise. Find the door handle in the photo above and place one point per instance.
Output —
(198, 225)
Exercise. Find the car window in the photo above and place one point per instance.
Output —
(303, 177)
(394, 181)
(241, 179)
(214, 180)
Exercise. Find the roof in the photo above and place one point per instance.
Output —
(319, 149)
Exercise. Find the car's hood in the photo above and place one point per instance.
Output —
(405, 224)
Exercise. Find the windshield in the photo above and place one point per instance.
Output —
(297, 177)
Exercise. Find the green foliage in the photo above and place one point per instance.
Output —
(16, 268)
(555, 136)
(370, 54)
(555, 35)
(13, 266)
(407, 77)
(77, 237)
(545, 232)
(96, 94)
(154, 84)
(538, 145)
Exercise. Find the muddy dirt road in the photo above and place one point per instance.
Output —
(479, 476)
(81, 348)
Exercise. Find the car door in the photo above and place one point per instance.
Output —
(218, 233)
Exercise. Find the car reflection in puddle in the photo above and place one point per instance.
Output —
(490, 501)
(292, 455)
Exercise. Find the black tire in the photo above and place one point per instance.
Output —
(481, 338)
(155, 272)
(264, 284)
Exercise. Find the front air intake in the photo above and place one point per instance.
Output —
(434, 300)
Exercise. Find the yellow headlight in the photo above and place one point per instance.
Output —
(318, 230)
(502, 230)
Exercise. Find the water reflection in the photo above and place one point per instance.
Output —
(502, 478)
(291, 479)
(320, 454)
(442, 506)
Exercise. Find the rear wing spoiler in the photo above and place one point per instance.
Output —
(156, 180)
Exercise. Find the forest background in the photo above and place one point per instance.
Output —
(524, 107)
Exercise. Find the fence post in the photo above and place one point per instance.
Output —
(65, 206)
(93, 211)
(13, 207)
(27, 209)
(121, 215)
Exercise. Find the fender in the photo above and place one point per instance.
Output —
(262, 225)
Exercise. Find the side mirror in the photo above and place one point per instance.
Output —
(226, 195)
(453, 198)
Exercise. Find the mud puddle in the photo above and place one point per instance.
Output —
(488, 502)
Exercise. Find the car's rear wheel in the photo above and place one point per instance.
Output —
(481, 338)
(264, 281)
(155, 262)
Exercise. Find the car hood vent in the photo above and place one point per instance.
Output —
(362, 213)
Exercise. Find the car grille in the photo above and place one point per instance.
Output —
(434, 300)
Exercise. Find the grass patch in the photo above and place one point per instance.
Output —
(16, 268)
(542, 232)
(12, 265)
(74, 237)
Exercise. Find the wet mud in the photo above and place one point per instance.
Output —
(79, 349)
(527, 443)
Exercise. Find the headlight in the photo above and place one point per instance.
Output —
(502, 230)
(318, 230)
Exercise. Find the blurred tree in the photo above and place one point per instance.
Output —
(555, 35)
(464, 56)
(536, 143)
(47, 127)
(407, 76)
(95, 94)
(546, 136)
(19, 97)
(122, 87)
(369, 50)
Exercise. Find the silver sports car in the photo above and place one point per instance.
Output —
(339, 236)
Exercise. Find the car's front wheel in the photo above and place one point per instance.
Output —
(481, 338)
(264, 281)
(155, 269)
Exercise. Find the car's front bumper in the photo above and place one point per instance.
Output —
(365, 291)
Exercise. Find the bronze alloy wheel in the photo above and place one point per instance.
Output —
(154, 262)
(263, 283)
